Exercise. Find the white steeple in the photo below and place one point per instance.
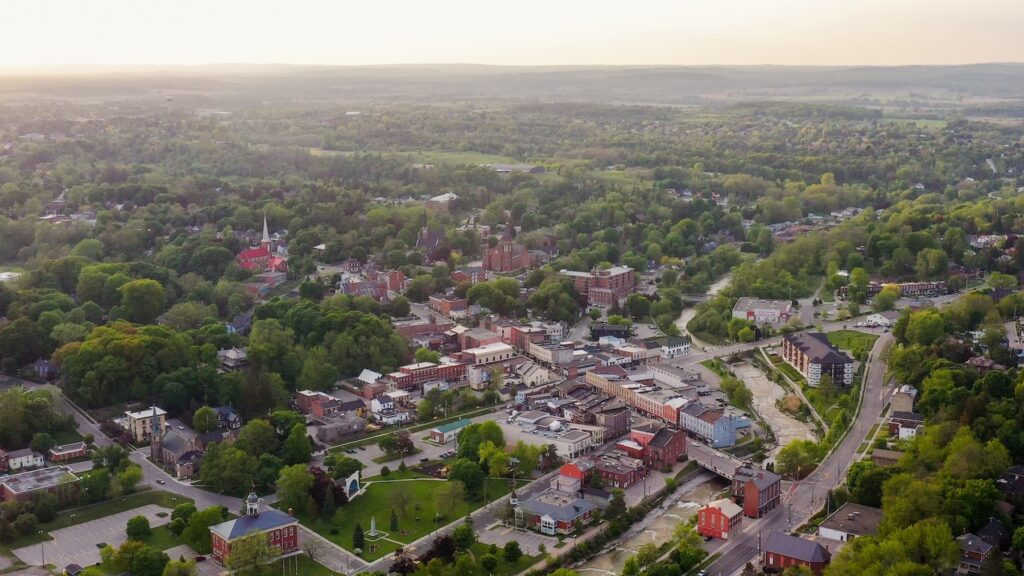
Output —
(265, 241)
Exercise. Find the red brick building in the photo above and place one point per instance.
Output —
(782, 551)
(68, 452)
(619, 470)
(471, 275)
(508, 255)
(604, 287)
(281, 530)
(449, 307)
(718, 519)
(520, 336)
(665, 448)
(760, 490)
(412, 375)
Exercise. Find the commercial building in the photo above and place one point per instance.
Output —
(413, 375)
(851, 521)
(604, 287)
(280, 529)
(488, 354)
(68, 452)
(713, 426)
(24, 458)
(553, 354)
(673, 346)
(553, 512)
(813, 356)
(719, 518)
(449, 307)
(782, 551)
(759, 490)
(56, 480)
(471, 275)
(446, 433)
(758, 311)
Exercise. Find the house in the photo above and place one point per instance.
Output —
(227, 418)
(851, 521)
(382, 403)
(711, 425)
(985, 365)
(233, 358)
(885, 319)
(619, 470)
(665, 448)
(572, 476)
(813, 356)
(68, 452)
(973, 552)
(241, 323)
(445, 433)
(442, 202)
(24, 458)
(782, 551)
(673, 346)
(25, 486)
(758, 490)
(758, 311)
(44, 369)
(140, 424)
(434, 243)
(449, 307)
(882, 457)
(281, 530)
(903, 398)
(552, 512)
(188, 464)
(905, 425)
(472, 275)
(996, 534)
(719, 518)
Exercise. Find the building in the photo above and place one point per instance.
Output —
(759, 490)
(851, 521)
(553, 512)
(758, 311)
(281, 530)
(619, 470)
(488, 354)
(782, 551)
(601, 330)
(4, 463)
(68, 452)
(905, 425)
(813, 356)
(974, 550)
(673, 346)
(602, 288)
(414, 375)
(24, 458)
(56, 480)
(449, 307)
(713, 426)
(719, 518)
(885, 319)
(882, 457)
(338, 427)
(508, 255)
(140, 424)
(551, 354)
(524, 168)
(227, 418)
(445, 433)
(261, 258)
(442, 202)
(665, 448)
(903, 398)
(472, 275)
(233, 358)
(172, 447)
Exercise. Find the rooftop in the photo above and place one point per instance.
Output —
(855, 519)
(557, 505)
(38, 479)
(797, 548)
(728, 507)
(146, 413)
(816, 346)
(760, 304)
(451, 426)
(241, 527)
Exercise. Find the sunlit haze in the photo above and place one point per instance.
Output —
(529, 32)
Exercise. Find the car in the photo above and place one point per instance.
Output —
(424, 459)
(161, 482)
(200, 558)
(362, 448)
(180, 427)
(702, 573)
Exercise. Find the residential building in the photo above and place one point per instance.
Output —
(281, 530)
(413, 375)
(602, 288)
(140, 424)
(759, 490)
(227, 418)
(68, 452)
(974, 550)
(813, 356)
(445, 433)
(885, 319)
(665, 448)
(24, 458)
(673, 346)
(471, 275)
(903, 398)
(782, 551)
(233, 358)
(905, 425)
(758, 311)
(713, 426)
(882, 457)
(334, 429)
(719, 518)
(25, 486)
(851, 521)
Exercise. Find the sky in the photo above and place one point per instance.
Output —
(522, 32)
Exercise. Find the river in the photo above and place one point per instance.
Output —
(689, 313)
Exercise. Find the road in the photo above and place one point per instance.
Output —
(807, 496)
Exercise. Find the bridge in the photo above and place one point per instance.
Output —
(716, 461)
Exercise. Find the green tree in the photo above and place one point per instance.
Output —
(925, 327)
(464, 536)
(257, 437)
(181, 568)
(296, 448)
(886, 299)
(427, 355)
(143, 299)
(293, 486)
(42, 442)
(249, 554)
(204, 420)
(138, 528)
(798, 458)
(358, 537)
(489, 562)
(317, 371)
(512, 552)
(197, 534)
(148, 561)
(95, 485)
(129, 478)
(470, 474)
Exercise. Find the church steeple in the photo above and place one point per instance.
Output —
(265, 241)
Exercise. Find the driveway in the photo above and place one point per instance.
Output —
(765, 393)
(77, 544)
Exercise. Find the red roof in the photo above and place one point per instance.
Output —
(249, 253)
(571, 471)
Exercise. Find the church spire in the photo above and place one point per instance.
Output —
(265, 241)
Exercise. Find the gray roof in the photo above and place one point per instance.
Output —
(567, 513)
(855, 519)
(974, 543)
(817, 348)
(797, 548)
(174, 442)
(23, 453)
(241, 527)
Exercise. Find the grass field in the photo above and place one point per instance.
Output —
(300, 565)
(66, 437)
(856, 342)
(391, 457)
(791, 372)
(162, 539)
(920, 122)
(378, 501)
(451, 157)
(625, 178)
(376, 436)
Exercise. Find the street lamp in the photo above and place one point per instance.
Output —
(42, 550)
(437, 516)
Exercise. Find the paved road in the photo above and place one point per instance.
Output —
(805, 497)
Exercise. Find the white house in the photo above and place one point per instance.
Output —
(392, 417)
(673, 346)
(382, 403)
(758, 311)
(25, 458)
(886, 319)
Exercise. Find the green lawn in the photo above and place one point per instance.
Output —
(625, 178)
(396, 475)
(375, 437)
(380, 498)
(300, 565)
(791, 372)
(479, 550)
(73, 516)
(162, 539)
(856, 342)
(66, 437)
(450, 157)
(389, 457)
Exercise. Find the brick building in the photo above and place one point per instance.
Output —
(719, 518)
(413, 375)
(508, 255)
(813, 356)
(56, 480)
(782, 551)
(759, 490)
(280, 529)
(604, 287)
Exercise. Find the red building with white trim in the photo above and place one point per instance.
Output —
(719, 518)
(281, 530)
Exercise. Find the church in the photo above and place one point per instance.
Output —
(282, 530)
(262, 258)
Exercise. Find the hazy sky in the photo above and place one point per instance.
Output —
(511, 32)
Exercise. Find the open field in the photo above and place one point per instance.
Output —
(856, 342)
(450, 157)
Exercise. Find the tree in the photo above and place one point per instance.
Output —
(886, 299)
(181, 568)
(470, 474)
(798, 458)
(204, 420)
(42, 442)
(318, 373)
(489, 562)
(197, 534)
(143, 299)
(26, 524)
(342, 466)
(248, 554)
(925, 327)
(448, 492)
(617, 505)
(293, 486)
(464, 536)
(296, 449)
(109, 457)
(328, 508)
(138, 528)
(512, 552)
(95, 485)
(427, 355)
(183, 511)
(358, 538)
(45, 507)
(129, 478)
(148, 561)
(257, 437)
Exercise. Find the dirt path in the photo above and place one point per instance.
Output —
(765, 394)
